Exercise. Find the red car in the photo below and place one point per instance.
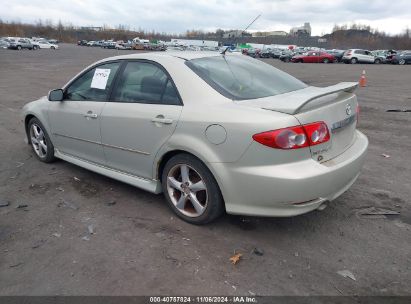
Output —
(313, 57)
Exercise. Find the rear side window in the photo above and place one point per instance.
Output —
(143, 82)
(238, 77)
(94, 85)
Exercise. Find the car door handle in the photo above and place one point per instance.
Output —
(90, 114)
(162, 119)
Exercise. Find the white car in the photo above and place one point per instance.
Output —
(360, 56)
(213, 132)
(43, 44)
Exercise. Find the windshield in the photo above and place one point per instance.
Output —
(239, 77)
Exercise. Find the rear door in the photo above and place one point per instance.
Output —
(75, 121)
(142, 114)
(360, 55)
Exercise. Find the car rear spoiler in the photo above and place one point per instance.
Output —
(347, 87)
(294, 102)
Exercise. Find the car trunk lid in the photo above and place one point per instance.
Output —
(335, 105)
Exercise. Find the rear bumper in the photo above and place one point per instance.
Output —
(289, 189)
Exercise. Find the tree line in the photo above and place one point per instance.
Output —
(343, 36)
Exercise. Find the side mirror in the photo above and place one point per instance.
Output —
(56, 95)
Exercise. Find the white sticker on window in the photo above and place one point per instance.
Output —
(100, 79)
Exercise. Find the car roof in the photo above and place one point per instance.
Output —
(185, 55)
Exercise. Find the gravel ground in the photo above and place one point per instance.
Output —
(138, 247)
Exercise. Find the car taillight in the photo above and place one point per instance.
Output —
(317, 133)
(295, 137)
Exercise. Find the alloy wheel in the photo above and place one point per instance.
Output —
(187, 190)
(38, 140)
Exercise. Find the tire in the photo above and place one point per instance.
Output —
(53, 48)
(326, 60)
(377, 61)
(191, 190)
(354, 60)
(401, 62)
(40, 141)
(19, 47)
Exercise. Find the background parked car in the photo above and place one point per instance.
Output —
(276, 53)
(255, 53)
(82, 42)
(123, 46)
(286, 56)
(266, 53)
(98, 43)
(44, 44)
(109, 44)
(22, 43)
(360, 56)
(390, 55)
(313, 57)
(4, 44)
(401, 58)
(382, 54)
(338, 54)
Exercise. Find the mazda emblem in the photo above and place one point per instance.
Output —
(348, 110)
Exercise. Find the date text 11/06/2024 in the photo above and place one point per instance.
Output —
(206, 299)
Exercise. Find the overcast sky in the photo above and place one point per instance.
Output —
(176, 16)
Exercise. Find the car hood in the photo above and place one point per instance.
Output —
(294, 102)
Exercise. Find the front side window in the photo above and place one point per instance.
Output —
(239, 78)
(143, 82)
(94, 85)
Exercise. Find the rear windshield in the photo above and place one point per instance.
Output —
(238, 77)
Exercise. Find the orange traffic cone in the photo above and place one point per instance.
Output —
(363, 79)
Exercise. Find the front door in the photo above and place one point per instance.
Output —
(141, 115)
(75, 121)
(369, 57)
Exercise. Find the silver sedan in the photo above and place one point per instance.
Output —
(215, 133)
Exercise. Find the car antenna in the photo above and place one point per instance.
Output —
(223, 52)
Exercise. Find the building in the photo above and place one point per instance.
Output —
(304, 30)
(233, 34)
(269, 34)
